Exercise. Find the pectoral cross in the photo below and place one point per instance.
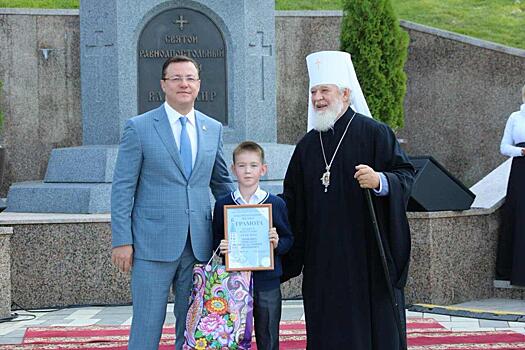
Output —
(325, 179)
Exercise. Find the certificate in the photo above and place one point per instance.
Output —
(246, 227)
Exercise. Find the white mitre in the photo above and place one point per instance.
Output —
(334, 67)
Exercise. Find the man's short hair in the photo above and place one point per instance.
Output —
(176, 59)
(248, 146)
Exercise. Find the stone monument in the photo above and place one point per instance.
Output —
(123, 45)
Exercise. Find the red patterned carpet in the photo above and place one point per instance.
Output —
(423, 334)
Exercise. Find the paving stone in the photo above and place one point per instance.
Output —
(436, 317)
(493, 324)
(463, 319)
(517, 324)
(110, 322)
(292, 315)
(10, 340)
(414, 314)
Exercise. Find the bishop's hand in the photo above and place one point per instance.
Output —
(367, 177)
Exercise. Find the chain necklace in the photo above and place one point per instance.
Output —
(325, 179)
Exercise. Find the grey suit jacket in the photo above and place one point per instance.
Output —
(153, 204)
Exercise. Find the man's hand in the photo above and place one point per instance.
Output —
(274, 237)
(224, 247)
(367, 177)
(122, 257)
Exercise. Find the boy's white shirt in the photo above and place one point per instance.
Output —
(258, 197)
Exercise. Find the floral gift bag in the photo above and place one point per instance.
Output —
(221, 309)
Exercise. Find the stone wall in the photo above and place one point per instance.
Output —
(5, 272)
(67, 262)
(39, 68)
(460, 90)
(65, 259)
(453, 256)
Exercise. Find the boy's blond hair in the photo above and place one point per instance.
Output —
(248, 146)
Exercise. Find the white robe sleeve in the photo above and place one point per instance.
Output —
(507, 147)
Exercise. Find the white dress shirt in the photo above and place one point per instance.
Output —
(258, 197)
(191, 128)
(514, 134)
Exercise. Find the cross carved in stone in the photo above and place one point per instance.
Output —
(98, 46)
(181, 22)
(259, 48)
(99, 40)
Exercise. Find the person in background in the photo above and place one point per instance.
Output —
(510, 264)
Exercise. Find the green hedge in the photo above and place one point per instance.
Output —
(371, 33)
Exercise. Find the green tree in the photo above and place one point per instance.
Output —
(370, 32)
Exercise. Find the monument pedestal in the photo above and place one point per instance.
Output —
(78, 180)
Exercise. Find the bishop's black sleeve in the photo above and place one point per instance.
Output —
(394, 163)
(293, 195)
(391, 159)
(282, 226)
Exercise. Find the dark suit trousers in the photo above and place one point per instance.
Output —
(267, 315)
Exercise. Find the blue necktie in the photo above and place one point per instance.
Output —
(185, 146)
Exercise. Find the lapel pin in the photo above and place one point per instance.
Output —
(204, 127)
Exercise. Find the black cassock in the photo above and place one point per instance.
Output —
(346, 300)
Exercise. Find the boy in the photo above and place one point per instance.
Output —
(248, 166)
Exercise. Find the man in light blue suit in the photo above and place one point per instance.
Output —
(168, 160)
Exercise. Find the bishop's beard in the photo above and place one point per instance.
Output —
(326, 119)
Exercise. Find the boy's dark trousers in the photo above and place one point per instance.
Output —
(267, 315)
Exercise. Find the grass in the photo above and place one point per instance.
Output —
(500, 21)
(44, 4)
(308, 4)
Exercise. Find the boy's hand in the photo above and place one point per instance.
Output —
(224, 246)
(274, 237)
